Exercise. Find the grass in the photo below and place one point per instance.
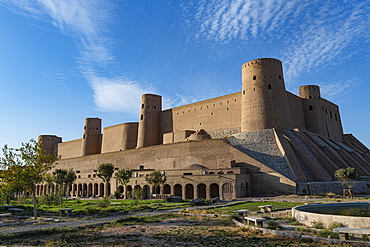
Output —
(253, 206)
(193, 231)
(92, 207)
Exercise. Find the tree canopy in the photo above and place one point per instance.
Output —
(63, 178)
(348, 176)
(123, 176)
(105, 172)
(25, 167)
(156, 178)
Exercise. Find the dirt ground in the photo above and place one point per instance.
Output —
(174, 230)
(187, 231)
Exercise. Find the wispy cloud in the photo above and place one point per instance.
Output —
(334, 89)
(86, 23)
(110, 94)
(305, 35)
(224, 20)
(326, 38)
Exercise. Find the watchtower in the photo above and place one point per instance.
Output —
(91, 138)
(148, 131)
(264, 98)
(50, 143)
(313, 110)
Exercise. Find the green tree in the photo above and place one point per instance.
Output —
(26, 167)
(105, 172)
(348, 177)
(156, 178)
(123, 176)
(64, 178)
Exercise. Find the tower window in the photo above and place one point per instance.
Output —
(142, 106)
(155, 107)
(243, 93)
(280, 77)
(269, 86)
(141, 117)
(310, 108)
(254, 77)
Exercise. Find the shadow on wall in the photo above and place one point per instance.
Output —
(264, 184)
(275, 162)
(165, 123)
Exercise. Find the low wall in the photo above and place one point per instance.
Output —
(303, 215)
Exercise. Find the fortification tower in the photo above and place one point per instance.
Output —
(148, 131)
(91, 138)
(50, 143)
(264, 97)
(313, 110)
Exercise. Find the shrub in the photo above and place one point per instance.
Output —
(317, 224)
(302, 229)
(291, 220)
(92, 210)
(48, 200)
(326, 233)
(117, 195)
(335, 224)
(104, 204)
(274, 225)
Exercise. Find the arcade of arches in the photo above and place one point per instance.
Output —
(225, 191)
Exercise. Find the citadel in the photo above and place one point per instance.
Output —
(262, 140)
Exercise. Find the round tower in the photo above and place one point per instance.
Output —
(50, 143)
(148, 131)
(264, 98)
(91, 138)
(312, 108)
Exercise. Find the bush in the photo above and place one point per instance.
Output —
(104, 203)
(48, 200)
(335, 224)
(117, 195)
(302, 229)
(92, 210)
(326, 233)
(274, 225)
(317, 224)
(291, 220)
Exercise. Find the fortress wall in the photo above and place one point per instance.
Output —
(296, 110)
(333, 121)
(172, 156)
(211, 115)
(215, 155)
(119, 137)
(70, 149)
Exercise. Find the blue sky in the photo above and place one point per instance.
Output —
(63, 61)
